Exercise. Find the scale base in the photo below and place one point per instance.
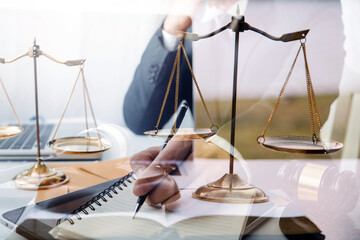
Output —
(40, 177)
(230, 188)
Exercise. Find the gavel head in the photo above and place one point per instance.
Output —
(319, 187)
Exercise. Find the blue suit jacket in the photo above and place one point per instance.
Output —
(144, 98)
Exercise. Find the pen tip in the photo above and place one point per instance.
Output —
(136, 210)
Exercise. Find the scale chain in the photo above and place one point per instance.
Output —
(176, 67)
(167, 90)
(85, 107)
(281, 93)
(178, 56)
(198, 88)
(86, 94)
(91, 109)
(11, 105)
(311, 87)
(310, 95)
(66, 106)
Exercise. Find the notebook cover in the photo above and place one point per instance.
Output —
(33, 228)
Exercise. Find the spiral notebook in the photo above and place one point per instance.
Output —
(34, 221)
(109, 216)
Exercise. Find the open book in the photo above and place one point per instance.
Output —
(110, 217)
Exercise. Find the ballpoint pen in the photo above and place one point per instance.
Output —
(180, 117)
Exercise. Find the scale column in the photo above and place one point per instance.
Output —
(35, 55)
(39, 176)
(230, 188)
(233, 106)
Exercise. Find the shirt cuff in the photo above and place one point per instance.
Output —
(170, 41)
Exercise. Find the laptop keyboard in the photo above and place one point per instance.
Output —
(27, 139)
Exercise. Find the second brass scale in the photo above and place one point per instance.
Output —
(40, 176)
(231, 188)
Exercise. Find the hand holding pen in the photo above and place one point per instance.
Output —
(153, 166)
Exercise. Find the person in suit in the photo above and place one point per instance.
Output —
(145, 95)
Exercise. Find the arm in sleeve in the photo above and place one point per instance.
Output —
(146, 93)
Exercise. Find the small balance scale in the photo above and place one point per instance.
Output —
(40, 176)
(231, 188)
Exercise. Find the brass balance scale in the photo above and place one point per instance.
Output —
(40, 176)
(231, 188)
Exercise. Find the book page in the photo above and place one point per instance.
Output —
(193, 218)
(190, 207)
(113, 218)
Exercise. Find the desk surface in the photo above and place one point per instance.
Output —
(324, 190)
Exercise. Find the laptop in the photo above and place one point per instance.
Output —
(23, 147)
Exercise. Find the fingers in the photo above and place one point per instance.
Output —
(167, 192)
(175, 23)
(174, 205)
(152, 167)
(174, 152)
(152, 177)
(168, 159)
(162, 188)
(180, 16)
(140, 161)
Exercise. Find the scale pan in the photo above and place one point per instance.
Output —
(80, 145)
(183, 133)
(299, 144)
(10, 131)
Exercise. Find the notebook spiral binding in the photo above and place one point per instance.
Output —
(95, 200)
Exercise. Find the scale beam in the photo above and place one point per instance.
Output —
(287, 37)
(195, 37)
(238, 24)
(38, 53)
